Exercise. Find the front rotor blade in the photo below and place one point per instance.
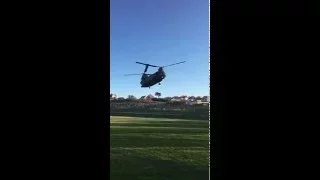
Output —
(174, 64)
(147, 64)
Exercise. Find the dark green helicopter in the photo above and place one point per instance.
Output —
(148, 80)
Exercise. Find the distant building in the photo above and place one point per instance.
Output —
(113, 96)
(149, 97)
(183, 98)
(175, 98)
(205, 99)
(198, 100)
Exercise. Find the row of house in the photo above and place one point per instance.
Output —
(187, 99)
(192, 100)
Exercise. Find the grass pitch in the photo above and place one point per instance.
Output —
(158, 149)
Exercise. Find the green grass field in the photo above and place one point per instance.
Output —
(158, 149)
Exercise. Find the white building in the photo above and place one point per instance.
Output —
(113, 96)
(181, 98)
(199, 100)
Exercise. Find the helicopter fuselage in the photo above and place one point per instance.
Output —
(151, 80)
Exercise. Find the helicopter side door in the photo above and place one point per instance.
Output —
(145, 79)
(153, 79)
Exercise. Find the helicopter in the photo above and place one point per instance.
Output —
(148, 80)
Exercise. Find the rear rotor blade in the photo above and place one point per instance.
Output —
(132, 74)
(174, 64)
(147, 64)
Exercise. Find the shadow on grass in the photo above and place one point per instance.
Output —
(173, 137)
(127, 164)
(154, 152)
(161, 125)
(176, 115)
(165, 130)
(140, 141)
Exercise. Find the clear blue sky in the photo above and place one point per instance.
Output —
(160, 32)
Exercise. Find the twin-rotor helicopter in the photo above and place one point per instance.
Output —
(148, 80)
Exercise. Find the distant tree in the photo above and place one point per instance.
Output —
(157, 94)
(142, 97)
(131, 97)
(161, 100)
(121, 99)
